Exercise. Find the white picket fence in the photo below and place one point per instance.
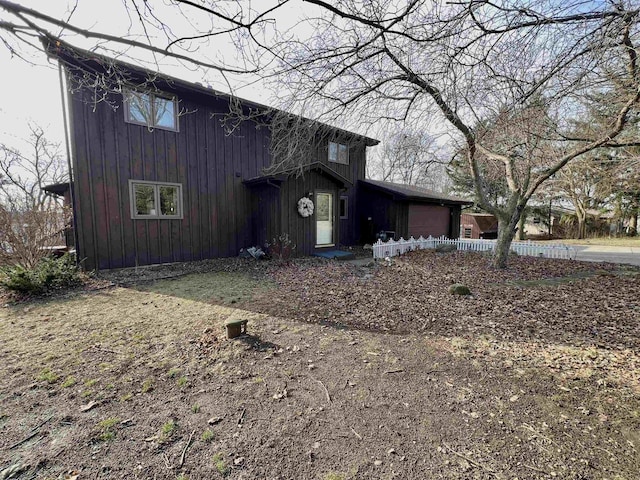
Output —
(393, 248)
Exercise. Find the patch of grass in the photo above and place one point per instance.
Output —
(221, 466)
(168, 428)
(228, 288)
(87, 393)
(173, 373)
(46, 375)
(68, 382)
(166, 431)
(126, 397)
(182, 382)
(90, 383)
(147, 385)
(107, 428)
(606, 241)
(182, 476)
(334, 476)
(207, 436)
(195, 408)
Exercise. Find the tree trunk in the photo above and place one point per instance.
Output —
(506, 233)
(633, 222)
(582, 224)
(521, 222)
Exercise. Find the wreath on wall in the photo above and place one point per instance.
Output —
(305, 207)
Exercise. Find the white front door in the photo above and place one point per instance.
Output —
(324, 219)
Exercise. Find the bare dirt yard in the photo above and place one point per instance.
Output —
(348, 372)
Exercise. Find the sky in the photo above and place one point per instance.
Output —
(30, 92)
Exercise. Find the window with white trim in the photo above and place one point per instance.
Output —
(151, 110)
(468, 232)
(338, 153)
(155, 200)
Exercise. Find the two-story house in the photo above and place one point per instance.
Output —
(156, 177)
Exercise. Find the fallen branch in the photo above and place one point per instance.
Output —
(398, 370)
(325, 390)
(11, 471)
(34, 431)
(356, 433)
(241, 418)
(530, 467)
(24, 440)
(186, 447)
(89, 406)
(105, 349)
(470, 460)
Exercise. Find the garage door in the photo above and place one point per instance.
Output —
(428, 220)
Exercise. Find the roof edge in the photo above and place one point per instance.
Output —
(61, 50)
(388, 187)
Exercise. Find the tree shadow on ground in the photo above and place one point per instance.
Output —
(256, 343)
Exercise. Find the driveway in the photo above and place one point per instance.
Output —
(601, 253)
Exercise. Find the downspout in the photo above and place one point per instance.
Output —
(72, 195)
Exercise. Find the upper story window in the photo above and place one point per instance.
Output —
(155, 199)
(338, 153)
(151, 110)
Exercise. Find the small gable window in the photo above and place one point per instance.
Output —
(151, 110)
(338, 153)
(344, 207)
(155, 199)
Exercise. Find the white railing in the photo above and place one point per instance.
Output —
(392, 248)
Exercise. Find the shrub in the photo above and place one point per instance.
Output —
(48, 274)
(459, 289)
(281, 248)
(26, 234)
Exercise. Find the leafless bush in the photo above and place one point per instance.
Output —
(27, 236)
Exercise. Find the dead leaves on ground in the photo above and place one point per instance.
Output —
(524, 308)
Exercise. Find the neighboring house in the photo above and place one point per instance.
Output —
(478, 225)
(157, 179)
(546, 222)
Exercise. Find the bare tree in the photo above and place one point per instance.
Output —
(508, 76)
(30, 220)
(483, 67)
(24, 173)
(26, 235)
(409, 157)
(579, 183)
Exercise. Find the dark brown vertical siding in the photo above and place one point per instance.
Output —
(382, 210)
(302, 231)
(182, 233)
(265, 214)
(350, 228)
(112, 193)
(454, 231)
(221, 214)
(107, 153)
(402, 220)
(204, 196)
(191, 192)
